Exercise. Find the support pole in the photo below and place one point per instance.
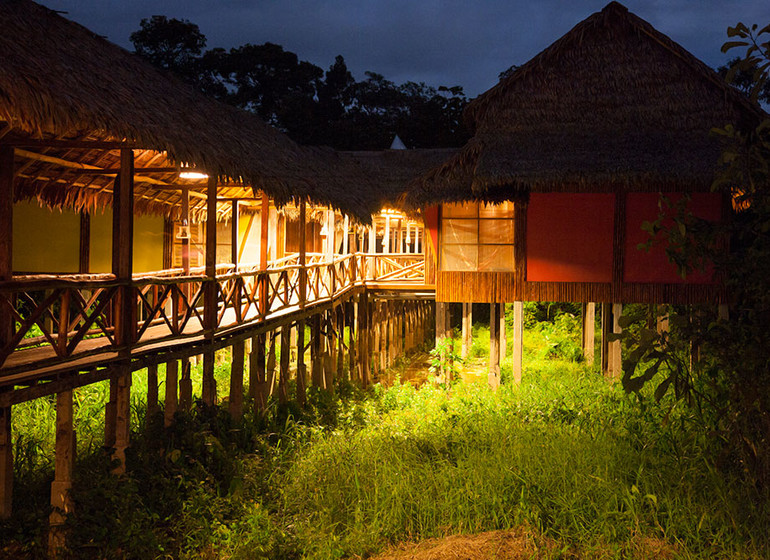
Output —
(283, 379)
(615, 364)
(84, 264)
(236, 380)
(208, 383)
(467, 329)
(210, 307)
(257, 371)
(6, 323)
(315, 351)
(503, 334)
(589, 331)
(493, 377)
(301, 368)
(152, 392)
(6, 463)
(185, 386)
(61, 502)
(302, 253)
(234, 233)
(518, 340)
(122, 381)
(606, 330)
(171, 399)
(363, 338)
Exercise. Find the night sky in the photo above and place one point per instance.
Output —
(448, 42)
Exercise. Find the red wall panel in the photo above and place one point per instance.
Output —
(569, 237)
(653, 266)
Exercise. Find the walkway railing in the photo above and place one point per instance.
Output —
(64, 318)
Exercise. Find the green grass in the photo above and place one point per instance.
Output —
(566, 454)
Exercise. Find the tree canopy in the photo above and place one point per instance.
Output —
(312, 106)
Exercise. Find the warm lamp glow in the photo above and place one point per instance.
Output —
(192, 175)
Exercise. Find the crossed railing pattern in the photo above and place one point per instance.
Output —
(75, 315)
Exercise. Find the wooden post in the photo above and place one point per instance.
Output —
(386, 237)
(122, 381)
(264, 225)
(723, 312)
(6, 269)
(208, 383)
(589, 331)
(371, 269)
(503, 334)
(316, 359)
(123, 249)
(302, 253)
(272, 234)
(257, 373)
(340, 339)
(662, 320)
(351, 317)
(301, 368)
(6, 463)
(493, 377)
(185, 386)
(234, 233)
(441, 321)
(615, 369)
(518, 340)
(171, 400)
(363, 339)
(400, 247)
(467, 329)
(606, 330)
(345, 226)
(185, 217)
(84, 264)
(283, 379)
(61, 502)
(270, 367)
(236, 380)
(152, 392)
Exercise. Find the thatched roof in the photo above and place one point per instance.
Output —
(613, 104)
(389, 173)
(61, 81)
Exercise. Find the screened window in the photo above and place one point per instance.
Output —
(476, 236)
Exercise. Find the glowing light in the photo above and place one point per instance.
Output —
(192, 175)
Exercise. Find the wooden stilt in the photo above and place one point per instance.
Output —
(6, 247)
(208, 383)
(662, 319)
(122, 380)
(257, 373)
(61, 502)
(518, 340)
(6, 463)
(723, 312)
(606, 330)
(315, 351)
(301, 368)
(615, 350)
(270, 366)
(283, 379)
(503, 334)
(589, 331)
(341, 331)
(171, 400)
(109, 416)
(185, 386)
(236, 381)
(152, 391)
(441, 326)
(363, 338)
(352, 316)
(493, 377)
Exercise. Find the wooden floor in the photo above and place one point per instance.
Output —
(28, 366)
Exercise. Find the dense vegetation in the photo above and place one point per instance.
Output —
(574, 460)
(312, 106)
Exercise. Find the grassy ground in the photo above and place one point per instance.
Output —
(566, 459)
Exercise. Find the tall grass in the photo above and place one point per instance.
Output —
(565, 454)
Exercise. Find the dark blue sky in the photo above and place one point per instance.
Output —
(449, 42)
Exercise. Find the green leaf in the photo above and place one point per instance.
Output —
(661, 389)
(732, 44)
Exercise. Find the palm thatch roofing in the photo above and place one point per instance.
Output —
(613, 104)
(61, 83)
(389, 173)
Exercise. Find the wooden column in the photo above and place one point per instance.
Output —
(339, 310)
(467, 329)
(152, 392)
(723, 312)
(61, 502)
(171, 400)
(301, 368)
(371, 269)
(6, 463)
(363, 338)
(6, 322)
(270, 367)
(264, 224)
(118, 414)
(84, 261)
(503, 334)
(210, 311)
(257, 373)
(272, 234)
(615, 349)
(122, 381)
(493, 377)
(518, 340)
(606, 330)
(589, 331)
(168, 243)
(345, 227)
(234, 233)
(185, 386)
(185, 218)
(386, 236)
(283, 379)
(236, 380)
(302, 253)
(316, 359)
(441, 321)
(350, 317)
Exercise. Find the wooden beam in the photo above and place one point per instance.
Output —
(302, 253)
(71, 144)
(210, 308)
(123, 247)
(234, 233)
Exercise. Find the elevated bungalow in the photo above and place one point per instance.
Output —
(569, 156)
(110, 173)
